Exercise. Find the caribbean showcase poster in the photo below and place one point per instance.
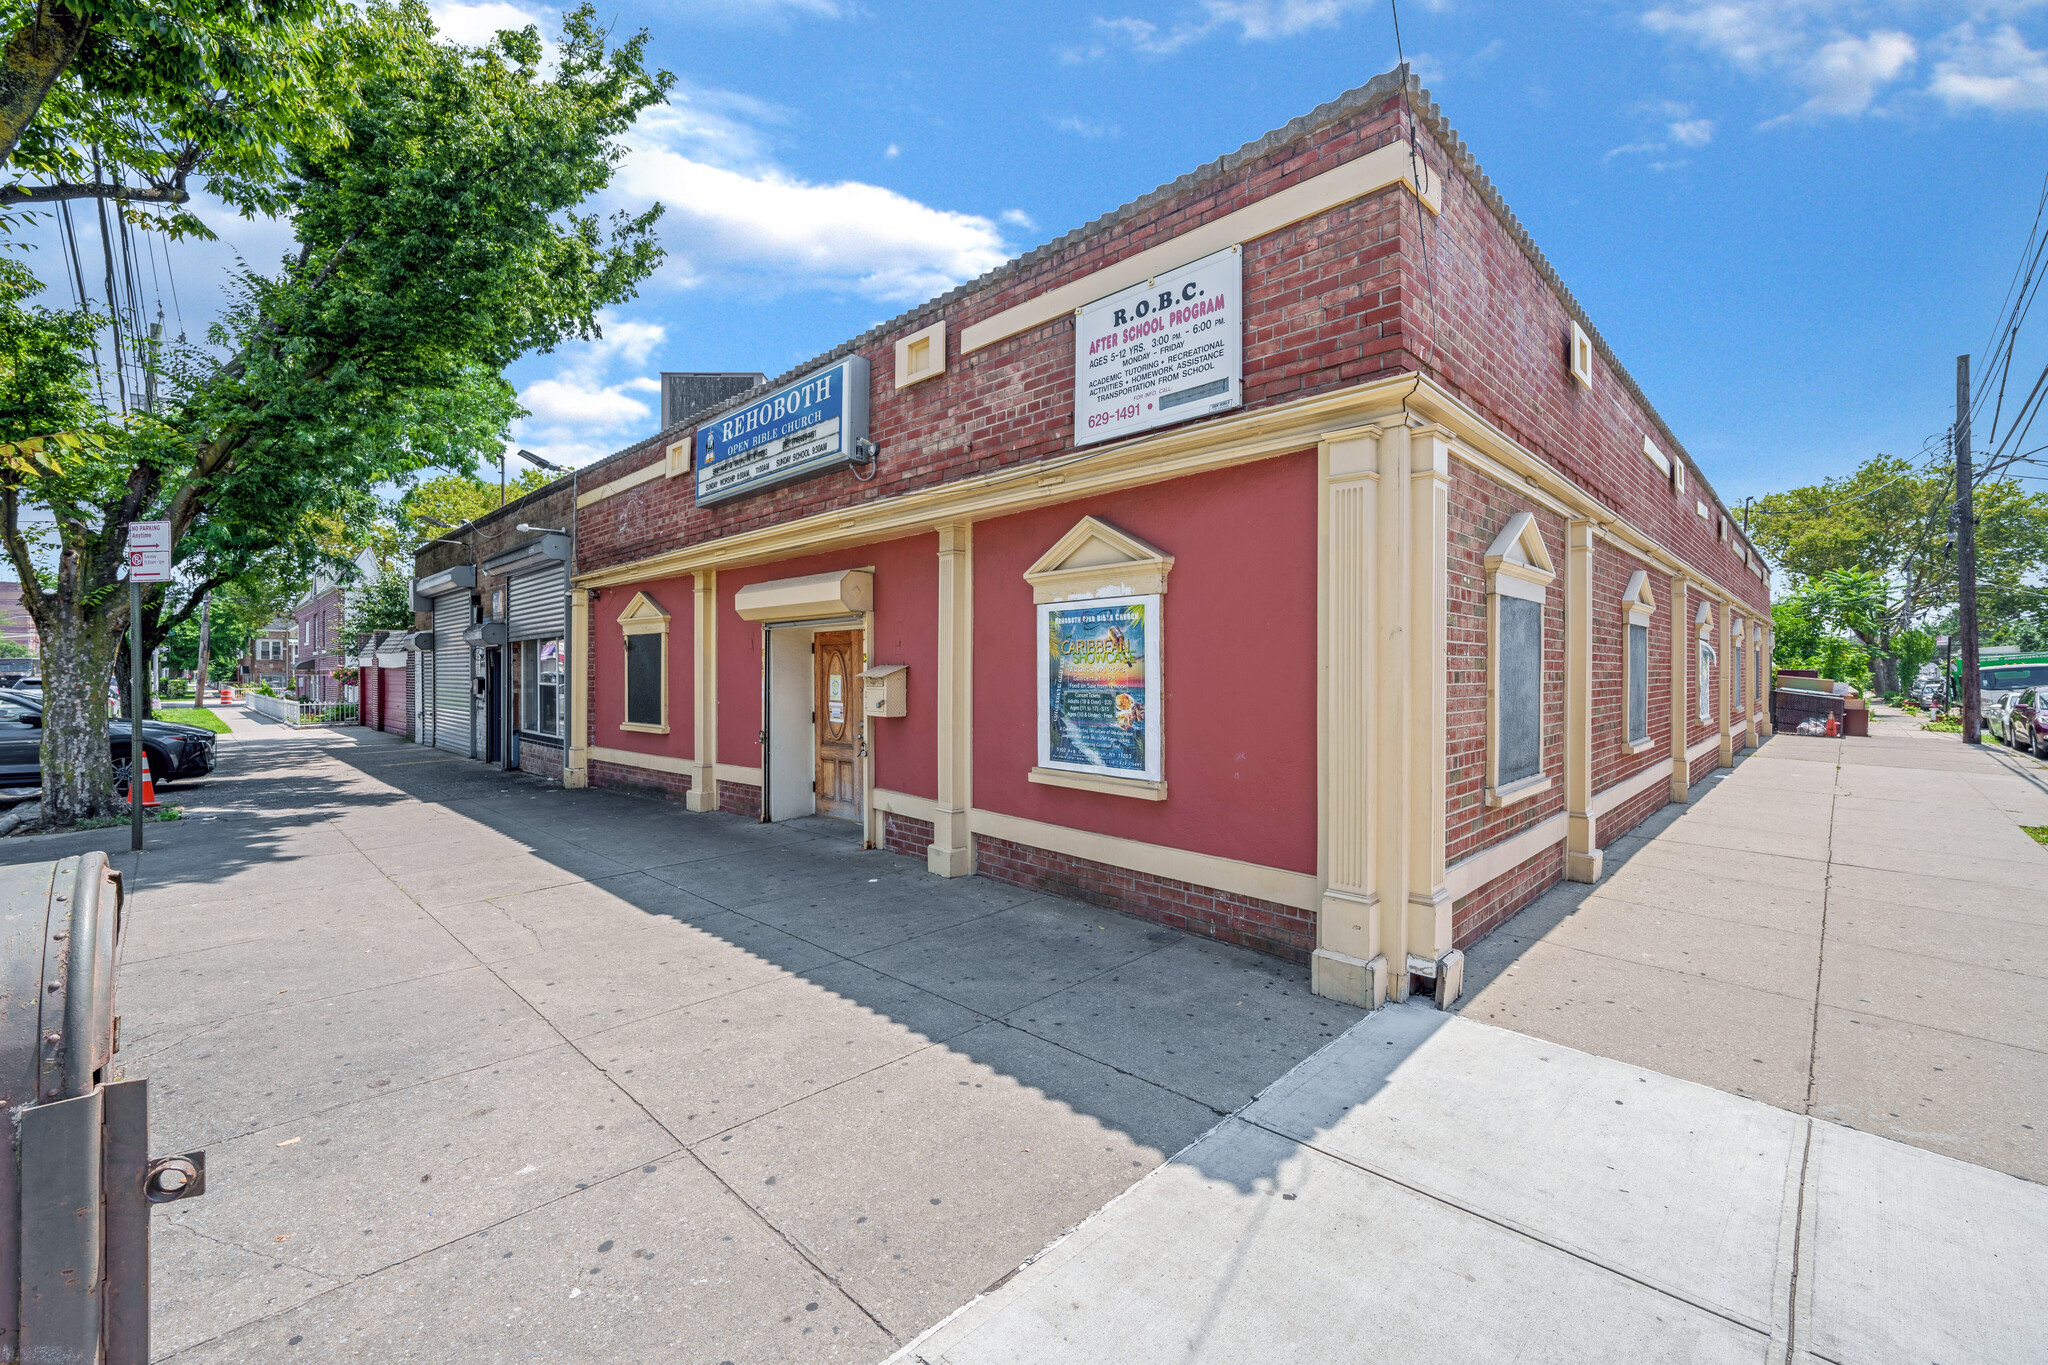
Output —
(1100, 714)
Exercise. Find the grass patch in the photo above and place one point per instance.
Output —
(190, 715)
(1946, 727)
(2038, 833)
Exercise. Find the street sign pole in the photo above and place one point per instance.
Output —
(135, 756)
(149, 561)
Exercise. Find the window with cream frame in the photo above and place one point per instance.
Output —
(1519, 574)
(644, 626)
(1098, 596)
(1639, 605)
(1704, 629)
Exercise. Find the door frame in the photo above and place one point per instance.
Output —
(864, 622)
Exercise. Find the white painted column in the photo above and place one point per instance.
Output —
(1582, 859)
(951, 852)
(1348, 964)
(1724, 689)
(1763, 681)
(703, 793)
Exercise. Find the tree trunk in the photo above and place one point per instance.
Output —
(78, 659)
(1884, 671)
(35, 57)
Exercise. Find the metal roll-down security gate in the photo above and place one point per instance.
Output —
(74, 1253)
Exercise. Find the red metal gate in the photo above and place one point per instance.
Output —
(391, 699)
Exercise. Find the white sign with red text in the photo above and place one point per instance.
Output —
(1162, 351)
(149, 551)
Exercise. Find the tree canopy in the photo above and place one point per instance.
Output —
(437, 208)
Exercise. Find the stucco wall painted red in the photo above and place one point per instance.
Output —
(1240, 664)
(608, 649)
(906, 632)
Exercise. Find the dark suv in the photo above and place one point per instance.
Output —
(2026, 722)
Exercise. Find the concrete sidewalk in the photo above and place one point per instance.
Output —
(1436, 1189)
(1855, 929)
(489, 1071)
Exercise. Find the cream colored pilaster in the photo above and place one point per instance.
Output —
(1393, 742)
(1429, 535)
(951, 853)
(1684, 646)
(1582, 856)
(576, 763)
(1763, 681)
(1349, 964)
(703, 793)
(1724, 691)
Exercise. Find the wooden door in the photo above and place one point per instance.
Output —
(838, 723)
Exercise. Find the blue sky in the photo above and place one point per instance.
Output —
(1787, 218)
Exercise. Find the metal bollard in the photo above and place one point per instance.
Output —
(74, 1265)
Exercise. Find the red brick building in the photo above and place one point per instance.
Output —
(1283, 557)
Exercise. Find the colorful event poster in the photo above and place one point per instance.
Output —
(1098, 687)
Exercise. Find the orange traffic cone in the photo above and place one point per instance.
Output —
(149, 801)
(227, 695)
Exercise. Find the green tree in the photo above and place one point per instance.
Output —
(14, 649)
(1889, 520)
(453, 499)
(385, 604)
(439, 239)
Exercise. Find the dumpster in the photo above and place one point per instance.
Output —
(74, 1254)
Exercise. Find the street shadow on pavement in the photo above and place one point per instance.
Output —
(912, 1084)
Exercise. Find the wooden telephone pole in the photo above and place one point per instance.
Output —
(1966, 560)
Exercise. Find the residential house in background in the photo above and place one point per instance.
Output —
(264, 659)
(15, 624)
(317, 645)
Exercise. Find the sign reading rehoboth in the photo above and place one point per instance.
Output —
(801, 429)
(149, 551)
(1098, 686)
(1163, 351)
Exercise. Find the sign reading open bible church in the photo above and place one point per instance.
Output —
(1162, 351)
(801, 429)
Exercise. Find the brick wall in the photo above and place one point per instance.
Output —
(1479, 912)
(1612, 760)
(906, 834)
(1632, 812)
(545, 760)
(1265, 926)
(1479, 507)
(646, 781)
(740, 798)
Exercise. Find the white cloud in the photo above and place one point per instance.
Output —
(1679, 129)
(1846, 75)
(559, 402)
(892, 151)
(582, 412)
(475, 25)
(1997, 71)
(1251, 20)
(1018, 218)
(1084, 127)
(1835, 51)
(736, 215)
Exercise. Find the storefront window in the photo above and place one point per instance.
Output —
(1098, 687)
(540, 687)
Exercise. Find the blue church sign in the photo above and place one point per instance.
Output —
(801, 429)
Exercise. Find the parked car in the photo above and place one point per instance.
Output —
(1994, 716)
(2026, 727)
(176, 752)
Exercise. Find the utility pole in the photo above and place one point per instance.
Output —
(205, 647)
(1966, 559)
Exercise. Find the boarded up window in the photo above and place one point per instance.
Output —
(1638, 684)
(1519, 695)
(643, 679)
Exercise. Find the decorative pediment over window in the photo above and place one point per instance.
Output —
(641, 615)
(1518, 563)
(1095, 559)
(1704, 620)
(1638, 601)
